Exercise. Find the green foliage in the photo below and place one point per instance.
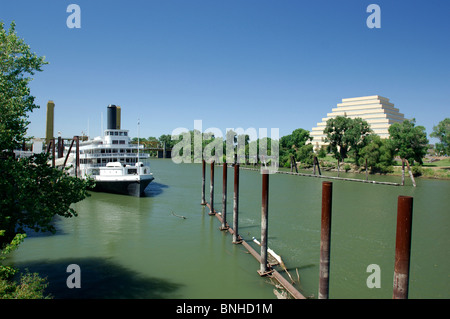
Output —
(31, 192)
(322, 152)
(17, 62)
(346, 136)
(408, 141)
(378, 153)
(295, 140)
(442, 132)
(30, 286)
(295, 144)
(167, 139)
(7, 272)
(305, 154)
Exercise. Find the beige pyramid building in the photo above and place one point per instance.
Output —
(375, 109)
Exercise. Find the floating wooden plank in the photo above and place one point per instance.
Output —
(274, 274)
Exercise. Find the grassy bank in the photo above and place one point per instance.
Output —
(439, 169)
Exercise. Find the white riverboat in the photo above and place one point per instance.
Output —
(113, 162)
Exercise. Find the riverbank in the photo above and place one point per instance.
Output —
(438, 168)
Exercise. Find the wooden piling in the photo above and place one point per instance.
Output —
(203, 182)
(77, 152)
(264, 222)
(224, 197)
(324, 271)
(53, 152)
(60, 147)
(403, 247)
(410, 173)
(273, 273)
(211, 192)
(367, 174)
(316, 163)
(403, 172)
(236, 238)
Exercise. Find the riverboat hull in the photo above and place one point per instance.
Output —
(133, 187)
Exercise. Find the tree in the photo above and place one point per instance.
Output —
(17, 60)
(296, 139)
(31, 191)
(378, 154)
(408, 141)
(346, 136)
(305, 154)
(167, 140)
(442, 132)
(295, 144)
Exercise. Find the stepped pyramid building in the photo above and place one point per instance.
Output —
(375, 109)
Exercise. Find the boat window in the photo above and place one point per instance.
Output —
(122, 142)
(115, 142)
(125, 133)
(120, 133)
(116, 133)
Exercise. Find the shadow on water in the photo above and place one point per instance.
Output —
(56, 222)
(154, 189)
(100, 279)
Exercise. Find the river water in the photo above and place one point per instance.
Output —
(130, 247)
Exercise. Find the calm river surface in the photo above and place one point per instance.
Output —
(131, 247)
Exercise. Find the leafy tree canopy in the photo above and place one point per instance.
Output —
(408, 140)
(31, 191)
(442, 132)
(346, 135)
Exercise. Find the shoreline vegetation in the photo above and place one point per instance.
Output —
(432, 168)
(437, 169)
(350, 146)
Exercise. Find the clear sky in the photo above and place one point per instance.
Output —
(232, 63)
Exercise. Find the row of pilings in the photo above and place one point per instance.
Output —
(403, 232)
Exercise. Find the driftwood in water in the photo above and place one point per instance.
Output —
(179, 216)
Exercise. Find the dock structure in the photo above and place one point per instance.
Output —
(329, 177)
(403, 236)
(265, 268)
(273, 273)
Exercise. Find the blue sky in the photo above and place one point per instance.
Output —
(232, 63)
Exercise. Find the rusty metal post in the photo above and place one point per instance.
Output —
(60, 147)
(324, 272)
(211, 191)
(224, 198)
(403, 247)
(203, 182)
(68, 153)
(236, 205)
(264, 222)
(77, 152)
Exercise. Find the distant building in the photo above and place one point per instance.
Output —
(374, 109)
